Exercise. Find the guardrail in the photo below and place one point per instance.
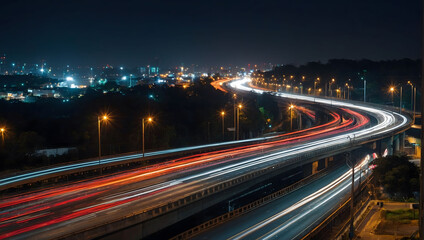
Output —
(247, 208)
(336, 213)
(147, 214)
(155, 211)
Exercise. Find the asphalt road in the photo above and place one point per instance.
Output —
(291, 216)
(56, 212)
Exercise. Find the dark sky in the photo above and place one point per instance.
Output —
(134, 33)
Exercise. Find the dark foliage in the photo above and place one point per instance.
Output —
(397, 175)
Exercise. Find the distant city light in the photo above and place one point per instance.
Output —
(69, 79)
(122, 68)
(124, 78)
(42, 70)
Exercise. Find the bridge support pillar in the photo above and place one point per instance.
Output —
(300, 120)
(314, 167)
(397, 144)
(390, 146)
(402, 141)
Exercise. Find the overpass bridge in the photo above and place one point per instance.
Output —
(137, 204)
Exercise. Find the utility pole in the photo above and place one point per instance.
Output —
(352, 194)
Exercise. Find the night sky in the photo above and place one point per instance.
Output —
(171, 32)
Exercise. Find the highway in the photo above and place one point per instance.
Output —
(293, 215)
(60, 211)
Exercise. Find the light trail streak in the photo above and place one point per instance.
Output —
(135, 195)
(246, 159)
(180, 163)
(333, 189)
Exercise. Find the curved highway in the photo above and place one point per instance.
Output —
(62, 211)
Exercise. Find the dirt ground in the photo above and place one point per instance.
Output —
(375, 228)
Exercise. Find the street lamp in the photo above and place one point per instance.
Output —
(348, 88)
(99, 121)
(315, 85)
(331, 90)
(2, 130)
(392, 90)
(412, 99)
(149, 120)
(351, 165)
(238, 120)
(291, 117)
(223, 133)
(234, 104)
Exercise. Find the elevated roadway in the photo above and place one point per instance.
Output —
(140, 202)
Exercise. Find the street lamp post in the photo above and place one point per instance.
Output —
(2, 130)
(291, 117)
(347, 85)
(99, 122)
(352, 191)
(315, 86)
(238, 120)
(223, 124)
(412, 94)
(235, 126)
(149, 119)
(412, 100)
(392, 90)
(365, 89)
(331, 90)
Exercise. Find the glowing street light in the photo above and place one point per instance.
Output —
(2, 130)
(315, 86)
(329, 86)
(223, 116)
(348, 88)
(149, 120)
(99, 121)
(291, 117)
(413, 96)
(392, 90)
(235, 118)
(239, 107)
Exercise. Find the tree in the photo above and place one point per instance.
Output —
(397, 176)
